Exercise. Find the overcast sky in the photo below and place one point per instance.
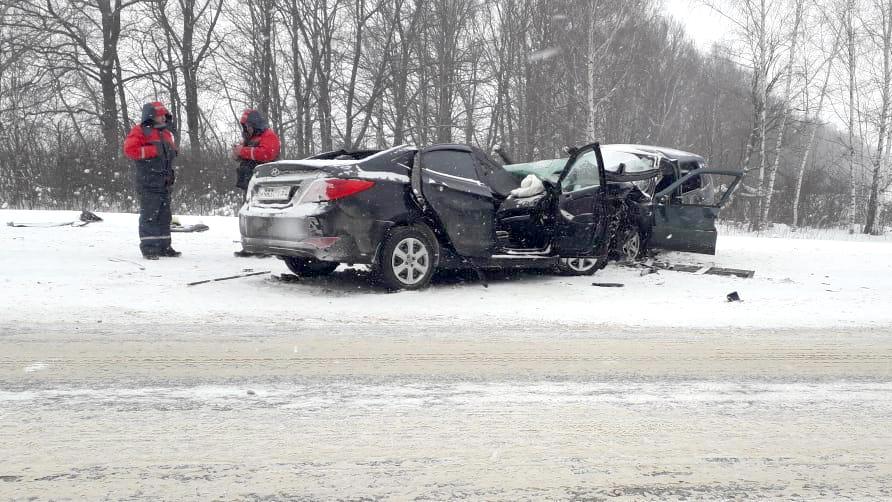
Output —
(702, 24)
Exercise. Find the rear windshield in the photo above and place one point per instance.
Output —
(451, 162)
(344, 155)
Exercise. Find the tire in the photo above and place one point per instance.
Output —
(309, 267)
(628, 242)
(408, 259)
(631, 245)
(591, 264)
(579, 266)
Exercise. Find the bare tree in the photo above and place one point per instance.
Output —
(882, 40)
(852, 66)
(814, 131)
(193, 42)
(785, 114)
(407, 28)
(755, 22)
(94, 57)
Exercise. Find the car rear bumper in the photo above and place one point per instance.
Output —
(321, 232)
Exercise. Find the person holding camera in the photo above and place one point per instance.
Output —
(259, 144)
(151, 147)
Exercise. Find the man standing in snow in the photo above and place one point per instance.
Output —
(150, 145)
(259, 144)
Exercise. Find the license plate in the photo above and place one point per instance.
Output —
(274, 193)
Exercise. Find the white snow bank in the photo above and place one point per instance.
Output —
(96, 274)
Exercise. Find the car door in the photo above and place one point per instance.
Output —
(581, 221)
(447, 180)
(688, 224)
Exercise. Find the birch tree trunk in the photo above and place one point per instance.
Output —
(811, 141)
(763, 116)
(850, 35)
(885, 11)
(772, 174)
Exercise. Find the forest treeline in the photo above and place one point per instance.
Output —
(798, 93)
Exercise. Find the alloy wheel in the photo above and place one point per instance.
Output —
(410, 261)
(581, 265)
(631, 247)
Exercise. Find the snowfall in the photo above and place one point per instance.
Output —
(95, 273)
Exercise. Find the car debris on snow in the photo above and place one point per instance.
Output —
(651, 267)
(239, 276)
(286, 277)
(84, 219)
(198, 227)
(122, 260)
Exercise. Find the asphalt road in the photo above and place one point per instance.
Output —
(222, 411)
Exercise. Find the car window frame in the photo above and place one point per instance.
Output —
(573, 161)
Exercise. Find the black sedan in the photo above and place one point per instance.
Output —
(408, 212)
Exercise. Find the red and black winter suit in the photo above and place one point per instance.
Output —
(152, 149)
(261, 146)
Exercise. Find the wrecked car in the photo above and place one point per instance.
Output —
(670, 198)
(408, 212)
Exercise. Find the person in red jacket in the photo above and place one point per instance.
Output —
(259, 144)
(150, 145)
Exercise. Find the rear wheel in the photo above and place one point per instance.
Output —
(309, 267)
(407, 260)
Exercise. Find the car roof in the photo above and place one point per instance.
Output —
(387, 154)
(670, 153)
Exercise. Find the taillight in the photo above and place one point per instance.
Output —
(326, 189)
(340, 188)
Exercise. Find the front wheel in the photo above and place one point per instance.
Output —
(631, 245)
(407, 259)
(578, 266)
(309, 267)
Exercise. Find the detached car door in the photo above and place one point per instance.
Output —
(684, 222)
(447, 180)
(582, 207)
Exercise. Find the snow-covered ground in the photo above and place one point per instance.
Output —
(95, 274)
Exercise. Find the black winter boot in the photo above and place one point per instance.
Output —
(170, 253)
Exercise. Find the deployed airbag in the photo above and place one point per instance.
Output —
(530, 186)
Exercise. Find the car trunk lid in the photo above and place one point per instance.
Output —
(279, 184)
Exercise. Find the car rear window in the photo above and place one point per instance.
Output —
(451, 162)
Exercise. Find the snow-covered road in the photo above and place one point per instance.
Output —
(269, 413)
(119, 381)
(95, 274)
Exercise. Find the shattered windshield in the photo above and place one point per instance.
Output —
(583, 174)
(633, 162)
(549, 170)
